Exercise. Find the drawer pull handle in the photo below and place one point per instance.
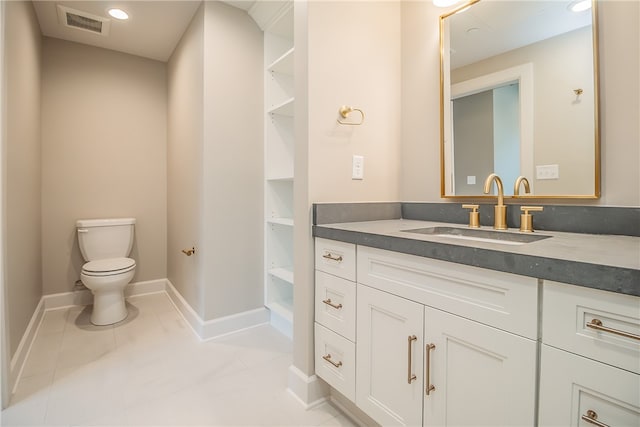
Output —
(328, 302)
(410, 376)
(597, 325)
(330, 257)
(592, 418)
(429, 387)
(328, 359)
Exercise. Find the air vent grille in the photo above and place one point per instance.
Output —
(83, 22)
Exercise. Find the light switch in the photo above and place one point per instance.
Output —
(471, 180)
(358, 167)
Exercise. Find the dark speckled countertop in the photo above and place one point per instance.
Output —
(605, 262)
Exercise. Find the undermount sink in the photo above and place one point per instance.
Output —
(487, 236)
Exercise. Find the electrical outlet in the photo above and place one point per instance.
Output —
(358, 167)
(547, 172)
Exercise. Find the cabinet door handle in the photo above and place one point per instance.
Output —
(330, 257)
(592, 418)
(410, 375)
(597, 325)
(328, 359)
(429, 387)
(328, 302)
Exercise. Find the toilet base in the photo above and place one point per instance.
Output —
(108, 307)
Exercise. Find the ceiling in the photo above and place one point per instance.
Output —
(153, 29)
(489, 28)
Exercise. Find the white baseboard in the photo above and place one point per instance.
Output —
(208, 329)
(84, 296)
(310, 391)
(24, 347)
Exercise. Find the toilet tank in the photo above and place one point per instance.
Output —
(105, 238)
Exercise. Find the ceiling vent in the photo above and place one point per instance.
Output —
(83, 21)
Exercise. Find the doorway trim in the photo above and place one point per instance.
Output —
(523, 74)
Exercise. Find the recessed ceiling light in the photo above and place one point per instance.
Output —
(118, 14)
(580, 5)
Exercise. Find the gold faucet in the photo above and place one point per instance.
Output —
(500, 211)
(516, 186)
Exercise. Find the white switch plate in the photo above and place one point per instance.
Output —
(358, 167)
(471, 180)
(548, 172)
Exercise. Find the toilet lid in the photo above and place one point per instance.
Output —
(110, 265)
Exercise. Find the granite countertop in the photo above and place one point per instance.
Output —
(606, 262)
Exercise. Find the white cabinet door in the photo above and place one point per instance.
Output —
(388, 357)
(576, 391)
(481, 375)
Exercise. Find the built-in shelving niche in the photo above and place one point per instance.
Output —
(276, 19)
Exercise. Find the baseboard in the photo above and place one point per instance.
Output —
(84, 296)
(310, 391)
(350, 410)
(208, 329)
(24, 347)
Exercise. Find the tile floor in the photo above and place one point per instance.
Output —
(151, 369)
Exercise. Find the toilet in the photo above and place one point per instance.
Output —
(105, 245)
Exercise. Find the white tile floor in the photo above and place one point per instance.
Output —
(150, 369)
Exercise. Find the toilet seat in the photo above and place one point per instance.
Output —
(108, 267)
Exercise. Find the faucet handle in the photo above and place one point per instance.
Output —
(526, 219)
(474, 215)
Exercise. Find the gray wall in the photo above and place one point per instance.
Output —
(22, 162)
(103, 154)
(215, 163)
(473, 141)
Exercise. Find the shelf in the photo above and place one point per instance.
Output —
(284, 64)
(281, 221)
(284, 108)
(283, 273)
(280, 178)
(283, 309)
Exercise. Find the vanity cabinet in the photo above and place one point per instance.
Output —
(589, 375)
(469, 332)
(417, 365)
(335, 315)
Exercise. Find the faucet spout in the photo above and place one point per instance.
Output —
(487, 187)
(516, 187)
(500, 211)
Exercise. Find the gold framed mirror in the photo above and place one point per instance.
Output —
(519, 97)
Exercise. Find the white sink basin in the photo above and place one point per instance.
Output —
(486, 236)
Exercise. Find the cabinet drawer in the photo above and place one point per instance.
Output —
(571, 386)
(337, 258)
(505, 301)
(336, 304)
(568, 309)
(335, 360)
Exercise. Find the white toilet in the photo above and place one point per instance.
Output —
(105, 245)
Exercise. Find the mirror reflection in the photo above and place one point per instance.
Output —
(519, 98)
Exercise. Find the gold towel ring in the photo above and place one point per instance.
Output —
(345, 111)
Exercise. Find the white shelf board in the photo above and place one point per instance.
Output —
(284, 64)
(280, 178)
(284, 108)
(283, 273)
(283, 309)
(281, 221)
